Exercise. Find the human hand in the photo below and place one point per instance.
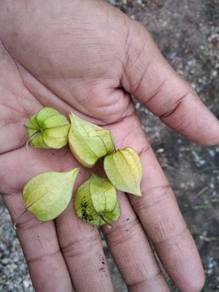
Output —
(87, 57)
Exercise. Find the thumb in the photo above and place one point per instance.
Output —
(149, 77)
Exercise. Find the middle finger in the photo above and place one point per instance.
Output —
(82, 249)
(132, 252)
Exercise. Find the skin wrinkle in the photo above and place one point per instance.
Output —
(25, 85)
(64, 156)
(106, 109)
(152, 277)
(11, 120)
(43, 257)
(127, 46)
(73, 249)
(128, 134)
(38, 101)
(172, 237)
(180, 125)
(9, 123)
(23, 114)
(113, 107)
(140, 266)
(142, 205)
(127, 114)
(21, 98)
(125, 231)
(178, 104)
(145, 149)
(131, 61)
(46, 248)
(54, 93)
(44, 85)
(18, 71)
(26, 221)
(69, 105)
(161, 230)
(135, 88)
(22, 145)
(157, 91)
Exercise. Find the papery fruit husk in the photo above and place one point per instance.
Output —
(48, 194)
(124, 170)
(88, 142)
(96, 201)
(48, 129)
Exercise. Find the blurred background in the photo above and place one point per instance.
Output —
(187, 32)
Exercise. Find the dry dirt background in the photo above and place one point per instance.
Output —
(187, 32)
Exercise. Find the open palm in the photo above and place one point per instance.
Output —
(87, 57)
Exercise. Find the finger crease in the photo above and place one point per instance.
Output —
(146, 280)
(81, 246)
(29, 223)
(43, 256)
(144, 150)
(155, 94)
(137, 86)
(122, 232)
(175, 108)
(173, 236)
(141, 204)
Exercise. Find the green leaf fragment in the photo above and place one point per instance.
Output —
(96, 201)
(124, 170)
(48, 194)
(88, 142)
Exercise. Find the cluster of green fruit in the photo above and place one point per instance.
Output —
(48, 194)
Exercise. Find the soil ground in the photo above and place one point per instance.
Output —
(187, 33)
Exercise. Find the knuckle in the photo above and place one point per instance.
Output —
(175, 106)
(42, 256)
(148, 282)
(151, 197)
(75, 248)
(122, 231)
(164, 236)
(26, 221)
